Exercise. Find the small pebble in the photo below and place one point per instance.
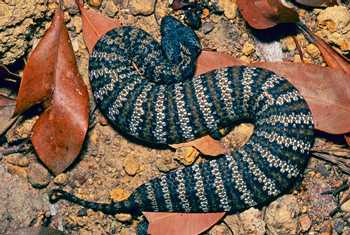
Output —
(186, 155)
(166, 164)
(248, 49)
(111, 9)
(17, 159)
(16, 170)
(61, 179)
(131, 166)
(95, 3)
(123, 217)
(313, 51)
(141, 7)
(305, 223)
(82, 212)
(38, 175)
(119, 194)
(207, 27)
(346, 206)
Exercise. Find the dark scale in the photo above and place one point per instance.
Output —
(148, 90)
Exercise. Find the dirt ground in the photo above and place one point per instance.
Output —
(110, 166)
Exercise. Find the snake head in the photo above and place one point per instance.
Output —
(178, 41)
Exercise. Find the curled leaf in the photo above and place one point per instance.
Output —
(181, 223)
(95, 25)
(263, 14)
(51, 75)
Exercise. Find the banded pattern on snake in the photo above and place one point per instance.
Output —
(148, 91)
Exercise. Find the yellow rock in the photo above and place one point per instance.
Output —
(131, 166)
(248, 48)
(186, 155)
(313, 51)
(229, 7)
(61, 179)
(95, 3)
(123, 217)
(245, 58)
(119, 194)
(289, 43)
(334, 18)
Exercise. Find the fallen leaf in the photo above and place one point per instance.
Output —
(95, 25)
(206, 145)
(210, 60)
(163, 223)
(51, 75)
(263, 14)
(326, 90)
(179, 4)
(7, 107)
(317, 3)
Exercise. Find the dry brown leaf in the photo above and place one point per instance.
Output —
(263, 14)
(206, 145)
(95, 25)
(51, 75)
(163, 223)
(326, 90)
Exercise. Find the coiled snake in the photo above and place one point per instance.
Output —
(148, 91)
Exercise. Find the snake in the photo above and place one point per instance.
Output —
(148, 91)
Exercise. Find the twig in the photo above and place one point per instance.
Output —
(299, 48)
(15, 149)
(9, 72)
(155, 13)
(342, 163)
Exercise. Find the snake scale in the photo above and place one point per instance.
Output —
(148, 91)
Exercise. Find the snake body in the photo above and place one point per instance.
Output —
(148, 91)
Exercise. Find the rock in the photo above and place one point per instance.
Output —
(334, 18)
(245, 59)
(248, 49)
(340, 40)
(111, 9)
(21, 131)
(186, 155)
(95, 3)
(17, 159)
(20, 204)
(207, 27)
(77, 23)
(229, 7)
(346, 206)
(119, 194)
(219, 230)
(61, 179)
(16, 170)
(280, 216)
(82, 212)
(305, 223)
(71, 6)
(313, 51)
(38, 175)
(20, 25)
(131, 166)
(248, 222)
(289, 43)
(123, 217)
(166, 164)
(141, 7)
